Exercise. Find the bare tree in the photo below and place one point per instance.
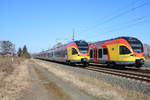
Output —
(7, 48)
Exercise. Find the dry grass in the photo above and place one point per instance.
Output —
(6, 64)
(13, 76)
(97, 88)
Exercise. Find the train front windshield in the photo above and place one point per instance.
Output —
(82, 46)
(135, 44)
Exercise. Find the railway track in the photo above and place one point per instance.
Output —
(127, 69)
(143, 75)
(137, 70)
(121, 73)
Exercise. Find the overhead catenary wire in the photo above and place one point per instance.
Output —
(127, 26)
(108, 16)
(131, 23)
(117, 16)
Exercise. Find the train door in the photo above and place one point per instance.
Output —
(95, 55)
(91, 54)
(105, 55)
(102, 55)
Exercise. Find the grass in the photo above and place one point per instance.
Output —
(103, 99)
(13, 76)
(7, 65)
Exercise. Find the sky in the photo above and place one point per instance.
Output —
(40, 24)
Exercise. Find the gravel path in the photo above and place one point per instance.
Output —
(46, 86)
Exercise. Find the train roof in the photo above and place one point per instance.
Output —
(123, 37)
(77, 41)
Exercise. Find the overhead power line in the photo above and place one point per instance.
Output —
(129, 25)
(119, 15)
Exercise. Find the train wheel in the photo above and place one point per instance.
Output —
(111, 64)
(68, 62)
(120, 67)
(85, 64)
(138, 65)
(72, 64)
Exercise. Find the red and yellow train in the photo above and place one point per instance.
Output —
(71, 53)
(124, 51)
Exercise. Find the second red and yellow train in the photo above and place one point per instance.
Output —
(123, 51)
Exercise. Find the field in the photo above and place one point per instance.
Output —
(30, 79)
(9, 73)
(7, 64)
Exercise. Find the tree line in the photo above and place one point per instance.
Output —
(7, 48)
(23, 52)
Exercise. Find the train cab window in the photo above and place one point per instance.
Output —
(105, 51)
(99, 53)
(124, 50)
(74, 51)
(91, 53)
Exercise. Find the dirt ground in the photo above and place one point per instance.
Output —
(39, 80)
(51, 87)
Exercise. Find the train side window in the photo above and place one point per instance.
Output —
(99, 53)
(124, 50)
(105, 51)
(91, 53)
(74, 51)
